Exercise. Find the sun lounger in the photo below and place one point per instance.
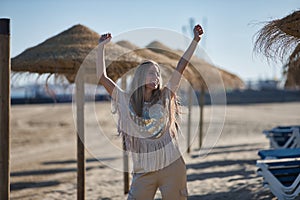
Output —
(284, 137)
(288, 127)
(282, 176)
(279, 153)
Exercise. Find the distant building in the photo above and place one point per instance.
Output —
(268, 84)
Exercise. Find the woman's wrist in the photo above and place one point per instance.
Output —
(101, 46)
(196, 39)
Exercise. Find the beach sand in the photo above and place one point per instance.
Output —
(43, 153)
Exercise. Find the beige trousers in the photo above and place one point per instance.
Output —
(170, 180)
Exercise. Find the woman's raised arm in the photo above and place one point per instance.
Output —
(108, 84)
(184, 60)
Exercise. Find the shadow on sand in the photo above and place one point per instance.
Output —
(25, 185)
(46, 172)
(89, 160)
(232, 149)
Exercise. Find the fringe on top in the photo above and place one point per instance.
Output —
(152, 140)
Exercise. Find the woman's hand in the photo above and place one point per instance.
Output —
(104, 39)
(198, 31)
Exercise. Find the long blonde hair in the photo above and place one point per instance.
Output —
(138, 87)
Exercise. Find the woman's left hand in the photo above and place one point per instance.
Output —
(104, 39)
(198, 31)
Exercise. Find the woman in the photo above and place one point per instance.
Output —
(147, 120)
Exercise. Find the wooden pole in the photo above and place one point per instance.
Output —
(4, 108)
(189, 119)
(80, 138)
(202, 95)
(125, 155)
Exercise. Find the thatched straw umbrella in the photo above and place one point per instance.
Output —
(281, 39)
(166, 63)
(293, 69)
(168, 57)
(127, 44)
(68, 53)
(201, 72)
(64, 54)
(145, 53)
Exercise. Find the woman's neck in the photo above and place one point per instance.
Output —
(148, 95)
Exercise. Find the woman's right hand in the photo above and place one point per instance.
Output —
(104, 39)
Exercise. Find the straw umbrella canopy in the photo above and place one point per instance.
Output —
(190, 73)
(293, 72)
(166, 63)
(66, 52)
(197, 69)
(166, 58)
(200, 69)
(281, 39)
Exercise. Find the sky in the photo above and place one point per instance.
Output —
(229, 25)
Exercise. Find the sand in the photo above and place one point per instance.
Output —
(43, 153)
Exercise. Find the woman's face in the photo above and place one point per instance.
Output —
(152, 77)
